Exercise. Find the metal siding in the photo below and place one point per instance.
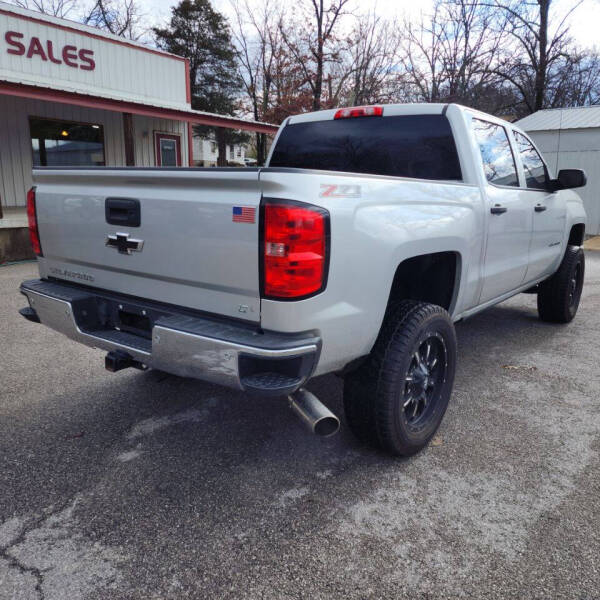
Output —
(122, 72)
(579, 140)
(6, 193)
(561, 118)
(542, 120)
(589, 161)
(576, 149)
(3, 182)
(546, 141)
(575, 118)
(552, 161)
(18, 170)
(23, 142)
(144, 144)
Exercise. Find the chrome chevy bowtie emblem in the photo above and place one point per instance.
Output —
(123, 243)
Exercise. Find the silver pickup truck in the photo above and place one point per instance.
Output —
(369, 232)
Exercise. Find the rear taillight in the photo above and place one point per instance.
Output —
(34, 235)
(295, 249)
(359, 111)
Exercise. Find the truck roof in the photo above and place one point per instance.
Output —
(389, 110)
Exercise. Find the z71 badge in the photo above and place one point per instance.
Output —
(339, 191)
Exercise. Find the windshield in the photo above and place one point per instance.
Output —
(418, 146)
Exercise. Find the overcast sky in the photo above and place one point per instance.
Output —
(585, 22)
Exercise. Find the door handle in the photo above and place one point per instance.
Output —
(540, 208)
(122, 211)
(498, 210)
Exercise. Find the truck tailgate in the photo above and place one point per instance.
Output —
(199, 230)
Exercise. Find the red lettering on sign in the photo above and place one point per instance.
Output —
(69, 55)
(51, 54)
(35, 47)
(11, 38)
(85, 56)
(77, 58)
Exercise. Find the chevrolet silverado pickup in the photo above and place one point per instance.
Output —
(370, 231)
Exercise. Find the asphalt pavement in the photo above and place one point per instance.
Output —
(147, 486)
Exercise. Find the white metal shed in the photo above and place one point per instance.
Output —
(570, 138)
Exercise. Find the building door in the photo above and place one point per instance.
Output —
(509, 220)
(168, 149)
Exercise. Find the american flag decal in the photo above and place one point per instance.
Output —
(243, 214)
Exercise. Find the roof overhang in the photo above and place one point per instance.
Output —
(190, 116)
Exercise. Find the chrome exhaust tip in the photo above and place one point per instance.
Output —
(313, 413)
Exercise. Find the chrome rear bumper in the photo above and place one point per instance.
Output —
(177, 341)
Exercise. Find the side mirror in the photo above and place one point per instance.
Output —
(568, 179)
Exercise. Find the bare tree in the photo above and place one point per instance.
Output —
(540, 53)
(421, 58)
(473, 39)
(56, 8)
(312, 39)
(119, 17)
(577, 82)
(370, 63)
(256, 34)
(451, 55)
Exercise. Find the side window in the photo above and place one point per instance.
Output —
(498, 160)
(536, 174)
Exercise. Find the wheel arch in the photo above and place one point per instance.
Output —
(577, 234)
(432, 277)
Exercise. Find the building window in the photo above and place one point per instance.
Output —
(66, 143)
(239, 151)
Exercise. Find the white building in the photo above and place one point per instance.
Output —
(570, 138)
(205, 153)
(74, 95)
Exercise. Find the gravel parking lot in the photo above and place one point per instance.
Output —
(147, 486)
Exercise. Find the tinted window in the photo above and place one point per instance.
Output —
(536, 175)
(498, 161)
(418, 146)
(64, 143)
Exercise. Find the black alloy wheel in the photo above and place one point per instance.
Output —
(397, 398)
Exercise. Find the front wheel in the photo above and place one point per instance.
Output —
(559, 296)
(397, 399)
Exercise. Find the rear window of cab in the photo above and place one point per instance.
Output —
(416, 146)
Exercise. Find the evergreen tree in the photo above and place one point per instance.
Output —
(199, 33)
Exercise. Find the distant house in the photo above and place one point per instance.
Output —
(570, 138)
(206, 153)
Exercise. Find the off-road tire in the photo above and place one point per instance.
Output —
(375, 393)
(558, 297)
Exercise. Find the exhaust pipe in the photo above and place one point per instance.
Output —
(313, 413)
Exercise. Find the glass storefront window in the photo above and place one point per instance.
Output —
(66, 143)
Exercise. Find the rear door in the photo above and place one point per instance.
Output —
(509, 220)
(196, 243)
(549, 210)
